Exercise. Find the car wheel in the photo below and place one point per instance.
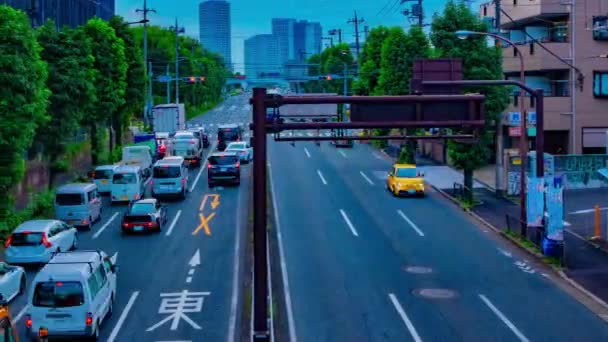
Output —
(183, 195)
(158, 224)
(90, 225)
(22, 285)
(95, 336)
(74, 243)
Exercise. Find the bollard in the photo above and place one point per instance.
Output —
(597, 234)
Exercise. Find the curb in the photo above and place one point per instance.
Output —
(559, 272)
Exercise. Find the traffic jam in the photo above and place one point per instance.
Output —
(81, 284)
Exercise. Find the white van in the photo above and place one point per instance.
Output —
(127, 184)
(78, 204)
(72, 295)
(102, 176)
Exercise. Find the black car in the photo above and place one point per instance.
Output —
(223, 167)
(144, 215)
(227, 134)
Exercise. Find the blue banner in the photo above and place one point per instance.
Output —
(555, 212)
(535, 201)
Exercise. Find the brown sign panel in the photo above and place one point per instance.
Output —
(436, 69)
(465, 110)
(312, 110)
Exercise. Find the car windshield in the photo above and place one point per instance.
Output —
(228, 134)
(184, 136)
(26, 239)
(166, 172)
(58, 294)
(69, 199)
(124, 178)
(407, 172)
(222, 160)
(142, 208)
(103, 174)
(237, 146)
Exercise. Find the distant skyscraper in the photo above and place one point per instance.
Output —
(283, 30)
(307, 39)
(215, 30)
(261, 55)
(64, 12)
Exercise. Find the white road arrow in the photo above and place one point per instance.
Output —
(505, 253)
(114, 258)
(196, 259)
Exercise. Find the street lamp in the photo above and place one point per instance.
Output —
(523, 143)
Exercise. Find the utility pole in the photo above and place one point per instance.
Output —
(499, 183)
(177, 31)
(416, 12)
(338, 32)
(168, 85)
(145, 11)
(365, 32)
(356, 20)
(331, 41)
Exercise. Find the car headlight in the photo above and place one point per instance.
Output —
(398, 184)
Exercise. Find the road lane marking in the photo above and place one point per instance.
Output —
(177, 215)
(504, 319)
(350, 224)
(203, 167)
(123, 316)
(404, 318)
(366, 178)
(214, 203)
(342, 153)
(235, 277)
(322, 178)
(306, 151)
(285, 278)
(20, 314)
(204, 224)
(410, 222)
(586, 211)
(96, 235)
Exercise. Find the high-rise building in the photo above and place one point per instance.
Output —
(283, 30)
(64, 12)
(215, 28)
(261, 56)
(307, 39)
(575, 119)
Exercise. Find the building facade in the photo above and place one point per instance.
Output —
(215, 28)
(283, 30)
(262, 56)
(575, 119)
(64, 12)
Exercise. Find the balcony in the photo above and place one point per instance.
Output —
(535, 58)
(524, 11)
(554, 109)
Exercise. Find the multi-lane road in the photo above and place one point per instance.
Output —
(350, 262)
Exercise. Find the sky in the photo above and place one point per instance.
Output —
(251, 17)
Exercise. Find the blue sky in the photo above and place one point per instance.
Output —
(253, 17)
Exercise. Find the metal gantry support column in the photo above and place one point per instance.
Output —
(261, 332)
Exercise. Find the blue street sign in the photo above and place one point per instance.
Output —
(514, 118)
(532, 117)
(164, 78)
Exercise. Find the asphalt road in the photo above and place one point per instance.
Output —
(176, 260)
(362, 265)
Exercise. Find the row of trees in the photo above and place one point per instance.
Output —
(55, 82)
(386, 69)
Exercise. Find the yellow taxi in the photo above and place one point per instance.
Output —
(8, 331)
(405, 180)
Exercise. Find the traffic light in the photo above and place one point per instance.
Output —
(192, 79)
(202, 78)
(326, 78)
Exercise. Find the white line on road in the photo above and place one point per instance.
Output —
(123, 316)
(179, 213)
(286, 293)
(404, 317)
(342, 153)
(321, 176)
(366, 178)
(20, 314)
(586, 211)
(504, 319)
(410, 222)
(306, 151)
(96, 235)
(377, 156)
(147, 181)
(350, 224)
(200, 172)
(235, 276)
(189, 280)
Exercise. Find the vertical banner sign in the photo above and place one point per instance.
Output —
(535, 201)
(555, 211)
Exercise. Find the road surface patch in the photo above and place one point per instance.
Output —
(418, 269)
(435, 293)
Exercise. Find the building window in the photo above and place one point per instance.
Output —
(600, 28)
(600, 84)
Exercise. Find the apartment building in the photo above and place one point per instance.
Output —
(576, 101)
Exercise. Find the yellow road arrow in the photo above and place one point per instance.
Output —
(214, 203)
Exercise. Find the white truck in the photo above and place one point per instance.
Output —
(169, 117)
(141, 156)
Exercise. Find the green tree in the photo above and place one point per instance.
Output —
(369, 61)
(71, 81)
(23, 97)
(332, 61)
(110, 79)
(480, 61)
(136, 80)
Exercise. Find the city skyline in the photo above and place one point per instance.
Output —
(248, 19)
(215, 28)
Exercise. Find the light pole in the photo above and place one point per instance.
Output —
(523, 142)
(177, 30)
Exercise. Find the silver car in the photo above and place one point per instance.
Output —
(37, 241)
